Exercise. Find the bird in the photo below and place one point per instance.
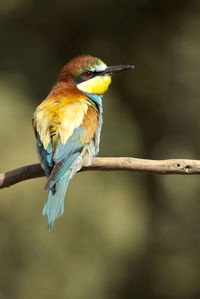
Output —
(67, 125)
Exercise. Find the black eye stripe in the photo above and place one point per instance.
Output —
(86, 75)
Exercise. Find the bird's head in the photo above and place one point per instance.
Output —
(90, 74)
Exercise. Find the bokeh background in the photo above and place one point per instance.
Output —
(123, 235)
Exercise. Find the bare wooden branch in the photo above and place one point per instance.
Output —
(172, 166)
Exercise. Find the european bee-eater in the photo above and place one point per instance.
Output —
(68, 123)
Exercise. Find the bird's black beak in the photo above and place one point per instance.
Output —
(115, 69)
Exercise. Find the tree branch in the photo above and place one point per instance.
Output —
(172, 166)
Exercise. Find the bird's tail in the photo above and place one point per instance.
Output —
(54, 206)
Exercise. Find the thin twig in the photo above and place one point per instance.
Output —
(172, 166)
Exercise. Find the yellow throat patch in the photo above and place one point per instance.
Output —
(96, 85)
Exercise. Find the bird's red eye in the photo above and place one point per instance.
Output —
(88, 74)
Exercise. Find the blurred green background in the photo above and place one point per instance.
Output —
(123, 235)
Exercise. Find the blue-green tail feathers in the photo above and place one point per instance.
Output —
(58, 167)
(57, 185)
(54, 206)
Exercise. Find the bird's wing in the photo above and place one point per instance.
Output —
(67, 152)
(62, 135)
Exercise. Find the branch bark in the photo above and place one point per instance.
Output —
(172, 166)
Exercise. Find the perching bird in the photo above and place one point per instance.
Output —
(68, 123)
